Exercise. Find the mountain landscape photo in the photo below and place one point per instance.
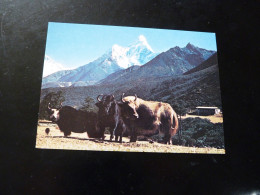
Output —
(186, 76)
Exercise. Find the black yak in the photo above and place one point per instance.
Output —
(109, 115)
(71, 120)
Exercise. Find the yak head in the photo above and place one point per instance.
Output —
(105, 103)
(54, 113)
(129, 106)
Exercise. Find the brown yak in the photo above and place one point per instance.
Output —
(148, 118)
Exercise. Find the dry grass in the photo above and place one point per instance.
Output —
(76, 141)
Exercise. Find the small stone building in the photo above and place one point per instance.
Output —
(200, 110)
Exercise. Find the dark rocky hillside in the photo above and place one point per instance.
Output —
(212, 60)
(197, 89)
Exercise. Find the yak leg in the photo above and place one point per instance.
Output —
(166, 127)
(65, 129)
(66, 133)
(111, 130)
(117, 131)
(120, 130)
(120, 139)
(167, 138)
(133, 137)
(102, 130)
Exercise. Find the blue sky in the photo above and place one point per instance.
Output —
(74, 45)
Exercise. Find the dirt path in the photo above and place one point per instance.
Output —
(76, 141)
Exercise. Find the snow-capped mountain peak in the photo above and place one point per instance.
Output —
(143, 40)
(116, 58)
(118, 51)
(138, 53)
(118, 55)
(116, 48)
(51, 66)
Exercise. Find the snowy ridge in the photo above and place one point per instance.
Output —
(138, 53)
(117, 58)
(51, 66)
(173, 62)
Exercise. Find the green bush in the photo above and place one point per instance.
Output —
(89, 105)
(55, 100)
(201, 133)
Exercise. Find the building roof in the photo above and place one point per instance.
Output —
(204, 107)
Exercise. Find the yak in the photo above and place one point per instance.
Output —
(71, 120)
(109, 115)
(148, 118)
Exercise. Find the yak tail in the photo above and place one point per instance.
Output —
(176, 127)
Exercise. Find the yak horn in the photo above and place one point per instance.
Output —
(98, 97)
(113, 97)
(60, 106)
(135, 97)
(49, 106)
(122, 97)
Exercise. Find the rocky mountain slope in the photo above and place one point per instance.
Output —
(173, 62)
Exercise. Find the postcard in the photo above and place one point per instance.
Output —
(129, 89)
